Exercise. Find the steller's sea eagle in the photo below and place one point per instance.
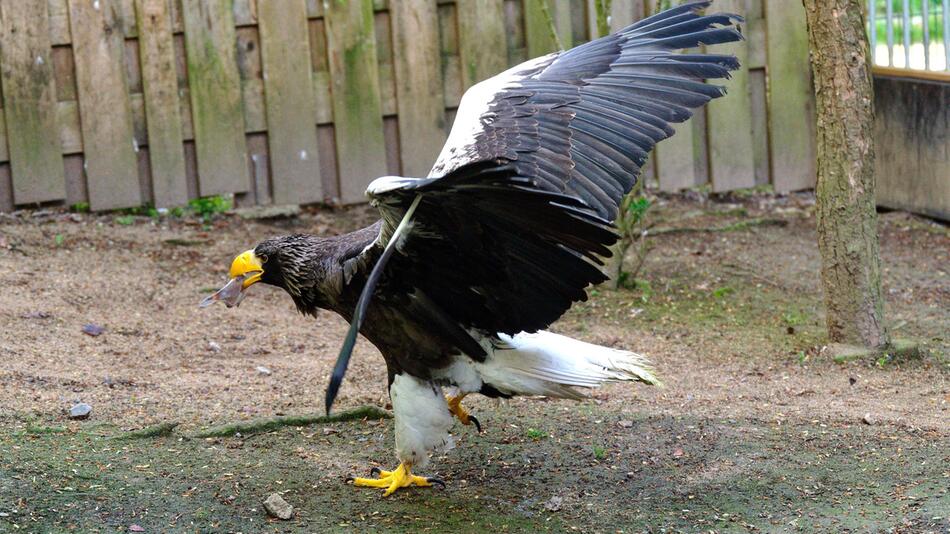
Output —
(467, 267)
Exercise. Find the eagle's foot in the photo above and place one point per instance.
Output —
(401, 477)
(460, 413)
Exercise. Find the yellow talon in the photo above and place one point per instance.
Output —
(460, 413)
(401, 477)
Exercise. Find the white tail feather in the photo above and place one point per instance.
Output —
(550, 364)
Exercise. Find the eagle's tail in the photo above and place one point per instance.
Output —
(549, 364)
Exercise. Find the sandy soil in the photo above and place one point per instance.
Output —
(733, 320)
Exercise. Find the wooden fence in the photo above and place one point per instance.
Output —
(117, 103)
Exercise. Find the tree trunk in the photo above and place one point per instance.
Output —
(847, 219)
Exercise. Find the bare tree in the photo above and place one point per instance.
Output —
(847, 219)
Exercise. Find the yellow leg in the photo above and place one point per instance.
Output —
(401, 477)
(460, 413)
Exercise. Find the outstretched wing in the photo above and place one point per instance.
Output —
(582, 121)
(517, 208)
(506, 232)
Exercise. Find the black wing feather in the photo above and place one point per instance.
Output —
(517, 210)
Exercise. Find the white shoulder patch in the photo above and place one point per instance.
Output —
(385, 184)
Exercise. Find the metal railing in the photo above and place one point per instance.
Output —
(924, 33)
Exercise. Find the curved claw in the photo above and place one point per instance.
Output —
(433, 480)
(478, 426)
(375, 471)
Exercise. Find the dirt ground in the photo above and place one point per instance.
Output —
(756, 429)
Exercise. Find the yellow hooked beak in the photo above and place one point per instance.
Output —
(248, 265)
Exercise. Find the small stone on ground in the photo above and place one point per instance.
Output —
(277, 507)
(80, 411)
(93, 330)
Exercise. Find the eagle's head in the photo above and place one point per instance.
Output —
(293, 263)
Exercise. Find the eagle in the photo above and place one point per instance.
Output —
(467, 267)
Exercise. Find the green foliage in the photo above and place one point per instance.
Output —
(535, 434)
(631, 225)
(794, 318)
(599, 452)
(641, 286)
(59, 240)
(80, 207)
(934, 10)
(723, 292)
(602, 9)
(208, 207)
(125, 220)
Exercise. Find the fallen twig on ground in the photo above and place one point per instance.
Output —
(266, 425)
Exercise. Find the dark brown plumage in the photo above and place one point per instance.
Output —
(507, 231)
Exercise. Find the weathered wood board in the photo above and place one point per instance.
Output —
(321, 72)
(730, 119)
(625, 12)
(481, 29)
(162, 107)
(420, 104)
(675, 160)
(29, 103)
(215, 89)
(105, 110)
(382, 32)
(539, 16)
(357, 111)
(791, 97)
(288, 93)
(912, 145)
(449, 50)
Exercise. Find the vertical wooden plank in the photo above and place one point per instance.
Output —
(580, 20)
(482, 44)
(419, 97)
(538, 15)
(251, 72)
(162, 108)
(675, 162)
(215, 90)
(29, 98)
(75, 180)
(384, 62)
(451, 64)
(791, 100)
(731, 150)
(760, 126)
(357, 111)
(288, 93)
(329, 174)
(393, 155)
(58, 22)
(259, 167)
(6, 188)
(515, 41)
(675, 159)
(321, 73)
(104, 107)
(625, 12)
(4, 153)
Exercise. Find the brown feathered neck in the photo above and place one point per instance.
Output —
(316, 271)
